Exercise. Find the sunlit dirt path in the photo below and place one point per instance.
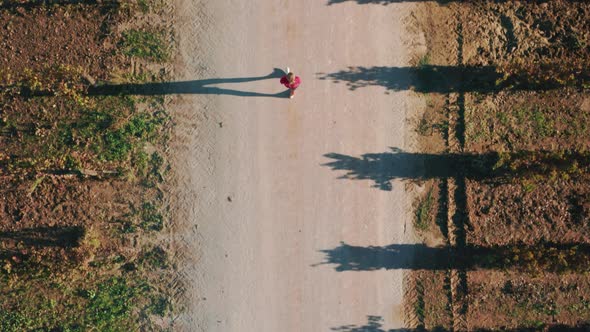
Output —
(261, 204)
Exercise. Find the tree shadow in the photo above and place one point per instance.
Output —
(31, 4)
(9, 254)
(382, 168)
(375, 324)
(188, 87)
(64, 237)
(447, 79)
(545, 256)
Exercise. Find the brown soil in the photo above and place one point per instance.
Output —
(519, 210)
(509, 299)
(525, 32)
(68, 213)
(104, 210)
(76, 35)
(529, 213)
(33, 39)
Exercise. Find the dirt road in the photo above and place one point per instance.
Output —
(262, 204)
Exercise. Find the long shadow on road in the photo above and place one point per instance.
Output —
(375, 324)
(189, 87)
(546, 256)
(384, 167)
(447, 79)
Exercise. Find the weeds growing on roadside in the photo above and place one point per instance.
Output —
(423, 127)
(424, 212)
(145, 44)
(156, 258)
(424, 60)
(151, 218)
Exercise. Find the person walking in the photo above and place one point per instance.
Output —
(291, 82)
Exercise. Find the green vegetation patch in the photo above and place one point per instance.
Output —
(156, 258)
(109, 130)
(83, 303)
(424, 212)
(151, 218)
(145, 44)
(109, 307)
(526, 122)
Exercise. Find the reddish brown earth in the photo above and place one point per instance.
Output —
(68, 213)
(76, 35)
(33, 39)
(518, 210)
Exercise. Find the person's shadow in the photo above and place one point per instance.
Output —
(188, 87)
